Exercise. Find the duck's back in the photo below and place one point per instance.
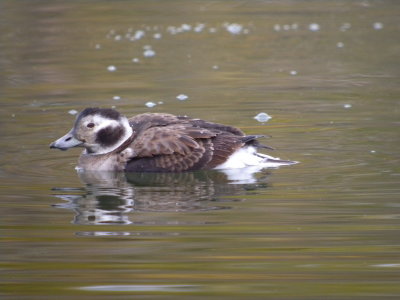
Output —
(168, 143)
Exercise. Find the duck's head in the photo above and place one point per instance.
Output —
(98, 130)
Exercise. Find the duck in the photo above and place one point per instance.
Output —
(160, 142)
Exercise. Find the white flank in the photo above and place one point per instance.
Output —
(248, 157)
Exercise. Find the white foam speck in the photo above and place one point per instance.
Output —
(212, 30)
(234, 28)
(116, 98)
(186, 27)
(345, 27)
(182, 97)
(372, 151)
(149, 53)
(138, 35)
(347, 105)
(118, 37)
(157, 36)
(293, 72)
(199, 27)
(97, 47)
(277, 27)
(215, 67)
(387, 265)
(150, 104)
(263, 117)
(112, 68)
(286, 27)
(160, 102)
(340, 45)
(72, 112)
(377, 25)
(314, 27)
(135, 60)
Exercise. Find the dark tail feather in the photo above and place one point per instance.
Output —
(251, 140)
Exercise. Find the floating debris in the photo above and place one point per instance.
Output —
(199, 27)
(182, 97)
(345, 26)
(138, 35)
(234, 28)
(377, 25)
(150, 104)
(149, 53)
(314, 27)
(263, 117)
(116, 98)
(112, 68)
(186, 27)
(72, 112)
(340, 45)
(347, 106)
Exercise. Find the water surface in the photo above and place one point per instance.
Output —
(327, 73)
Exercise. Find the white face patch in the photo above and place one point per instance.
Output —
(101, 123)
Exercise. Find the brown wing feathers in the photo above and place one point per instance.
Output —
(174, 144)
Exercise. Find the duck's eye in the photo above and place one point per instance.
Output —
(90, 125)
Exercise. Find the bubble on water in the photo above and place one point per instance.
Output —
(277, 27)
(150, 104)
(293, 72)
(157, 36)
(372, 151)
(215, 67)
(263, 117)
(345, 27)
(377, 25)
(135, 60)
(347, 105)
(138, 35)
(340, 45)
(72, 112)
(387, 265)
(118, 37)
(12, 115)
(314, 27)
(199, 27)
(116, 98)
(186, 27)
(182, 97)
(234, 28)
(149, 53)
(112, 68)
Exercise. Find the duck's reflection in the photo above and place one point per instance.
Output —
(108, 197)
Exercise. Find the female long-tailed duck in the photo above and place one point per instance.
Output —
(158, 142)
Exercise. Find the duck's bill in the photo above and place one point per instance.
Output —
(66, 142)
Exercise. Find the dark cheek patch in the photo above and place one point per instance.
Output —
(109, 136)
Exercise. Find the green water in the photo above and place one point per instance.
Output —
(327, 228)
